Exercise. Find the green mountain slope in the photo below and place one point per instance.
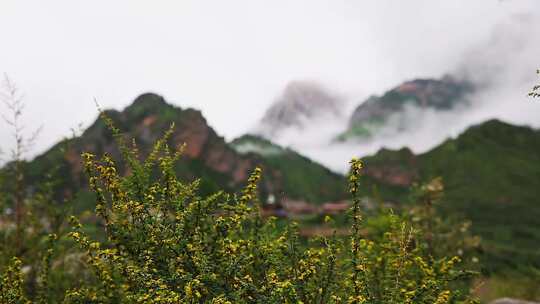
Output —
(492, 177)
(302, 177)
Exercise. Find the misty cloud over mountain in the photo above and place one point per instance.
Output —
(233, 59)
(499, 68)
(301, 104)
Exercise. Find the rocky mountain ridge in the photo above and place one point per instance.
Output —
(206, 156)
(387, 111)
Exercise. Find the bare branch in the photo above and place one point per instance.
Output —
(13, 100)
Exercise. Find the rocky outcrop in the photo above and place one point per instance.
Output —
(395, 168)
(150, 116)
(438, 94)
(145, 121)
(443, 94)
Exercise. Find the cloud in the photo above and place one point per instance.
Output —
(227, 58)
(501, 66)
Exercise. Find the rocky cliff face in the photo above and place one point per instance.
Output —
(394, 168)
(299, 104)
(206, 156)
(148, 118)
(388, 110)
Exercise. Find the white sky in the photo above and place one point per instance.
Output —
(226, 58)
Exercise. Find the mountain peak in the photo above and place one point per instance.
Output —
(147, 101)
(149, 98)
(389, 111)
(300, 102)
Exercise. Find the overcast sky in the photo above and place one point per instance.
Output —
(229, 59)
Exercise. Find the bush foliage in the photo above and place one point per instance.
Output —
(166, 244)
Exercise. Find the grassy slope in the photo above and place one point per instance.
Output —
(492, 177)
(302, 177)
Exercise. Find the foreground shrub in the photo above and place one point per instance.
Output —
(165, 244)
